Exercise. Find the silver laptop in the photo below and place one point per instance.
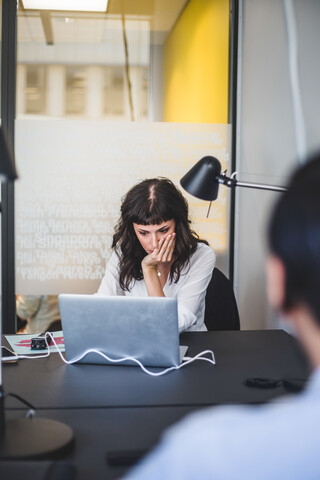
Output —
(119, 326)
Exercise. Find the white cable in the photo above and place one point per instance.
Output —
(187, 361)
(299, 124)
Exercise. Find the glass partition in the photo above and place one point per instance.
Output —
(104, 100)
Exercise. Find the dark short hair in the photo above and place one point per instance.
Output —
(294, 236)
(151, 202)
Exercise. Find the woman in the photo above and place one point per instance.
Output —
(155, 253)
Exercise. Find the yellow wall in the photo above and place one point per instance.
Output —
(196, 64)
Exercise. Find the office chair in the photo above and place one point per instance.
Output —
(221, 310)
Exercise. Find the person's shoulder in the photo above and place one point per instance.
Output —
(204, 247)
(203, 256)
(205, 250)
(112, 263)
(115, 255)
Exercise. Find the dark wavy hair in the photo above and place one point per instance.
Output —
(152, 202)
(294, 237)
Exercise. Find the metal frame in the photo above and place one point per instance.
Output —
(233, 92)
(8, 97)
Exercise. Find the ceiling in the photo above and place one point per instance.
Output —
(54, 27)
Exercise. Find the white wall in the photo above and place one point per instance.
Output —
(267, 150)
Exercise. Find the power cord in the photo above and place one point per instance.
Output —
(186, 360)
(31, 412)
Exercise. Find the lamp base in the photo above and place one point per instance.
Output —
(26, 438)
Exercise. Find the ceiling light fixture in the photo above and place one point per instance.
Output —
(67, 5)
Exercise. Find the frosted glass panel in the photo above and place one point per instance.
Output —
(72, 176)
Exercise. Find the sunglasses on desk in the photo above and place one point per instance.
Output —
(290, 384)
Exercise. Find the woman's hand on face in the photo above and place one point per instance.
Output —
(162, 254)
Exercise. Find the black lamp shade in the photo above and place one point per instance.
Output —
(201, 181)
(7, 168)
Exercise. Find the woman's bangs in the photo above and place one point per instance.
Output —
(152, 215)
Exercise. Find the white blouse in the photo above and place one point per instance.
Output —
(190, 290)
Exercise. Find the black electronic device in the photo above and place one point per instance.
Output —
(38, 343)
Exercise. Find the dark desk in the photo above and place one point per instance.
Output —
(49, 383)
(118, 407)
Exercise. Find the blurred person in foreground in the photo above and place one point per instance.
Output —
(279, 440)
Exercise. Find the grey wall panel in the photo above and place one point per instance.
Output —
(266, 148)
(308, 28)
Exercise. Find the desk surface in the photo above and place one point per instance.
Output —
(113, 408)
(99, 432)
(49, 383)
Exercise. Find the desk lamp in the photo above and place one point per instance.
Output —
(25, 438)
(204, 178)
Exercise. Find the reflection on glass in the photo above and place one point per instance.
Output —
(35, 91)
(144, 93)
(90, 66)
(76, 86)
(141, 61)
(114, 99)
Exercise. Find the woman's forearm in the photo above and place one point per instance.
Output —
(152, 281)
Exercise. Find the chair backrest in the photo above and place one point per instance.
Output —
(221, 310)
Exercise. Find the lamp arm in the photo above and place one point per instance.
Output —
(233, 182)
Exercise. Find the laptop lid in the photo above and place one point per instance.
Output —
(145, 328)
